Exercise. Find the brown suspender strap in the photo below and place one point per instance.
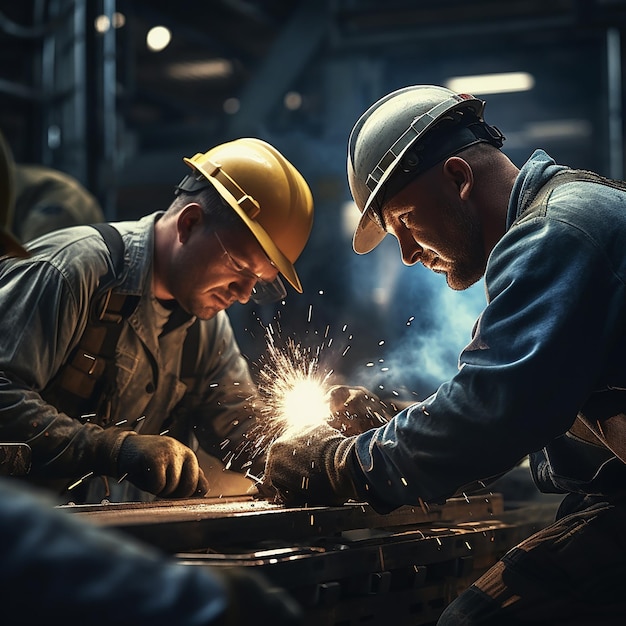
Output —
(81, 384)
(96, 348)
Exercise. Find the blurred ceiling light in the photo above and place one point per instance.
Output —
(119, 19)
(293, 100)
(482, 84)
(558, 129)
(200, 70)
(231, 105)
(158, 38)
(102, 23)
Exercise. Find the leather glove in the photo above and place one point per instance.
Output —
(161, 465)
(252, 599)
(310, 467)
(355, 410)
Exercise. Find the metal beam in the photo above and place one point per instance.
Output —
(288, 56)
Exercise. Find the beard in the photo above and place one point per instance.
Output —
(468, 262)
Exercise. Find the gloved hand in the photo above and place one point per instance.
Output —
(355, 410)
(161, 465)
(252, 599)
(310, 467)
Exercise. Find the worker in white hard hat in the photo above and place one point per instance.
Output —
(117, 356)
(543, 374)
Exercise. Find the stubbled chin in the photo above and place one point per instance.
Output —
(204, 312)
(206, 315)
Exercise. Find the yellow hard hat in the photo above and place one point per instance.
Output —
(268, 193)
(8, 244)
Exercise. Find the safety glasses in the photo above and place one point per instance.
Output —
(264, 291)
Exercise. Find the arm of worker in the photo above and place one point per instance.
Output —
(222, 405)
(43, 311)
(518, 387)
(79, 573)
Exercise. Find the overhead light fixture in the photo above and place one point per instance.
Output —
(482, 84)
(292, 100)
(200, 70)
(231, 106)
(158, 38)
(102, 23)
(558, 129)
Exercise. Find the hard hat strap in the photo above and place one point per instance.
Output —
(434, 148)
(193, 183)
(410, 136)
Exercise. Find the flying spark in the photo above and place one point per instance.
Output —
(293, 387)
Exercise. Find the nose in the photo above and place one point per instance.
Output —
(242, 289)
(410, 251)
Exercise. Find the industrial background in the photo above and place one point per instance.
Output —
(116, 92)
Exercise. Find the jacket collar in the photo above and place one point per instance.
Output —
(533, 175)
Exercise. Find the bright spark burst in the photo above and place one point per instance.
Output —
(294, 389)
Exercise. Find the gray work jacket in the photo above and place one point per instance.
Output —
(44, 307)
(547, 351)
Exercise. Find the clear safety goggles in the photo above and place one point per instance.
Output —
(264, 291)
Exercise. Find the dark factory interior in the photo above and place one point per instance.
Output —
(116, 93)
(119, 117)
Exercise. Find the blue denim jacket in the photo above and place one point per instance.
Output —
(44, 307)
(551, 338)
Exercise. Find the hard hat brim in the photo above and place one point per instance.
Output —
(367, 235)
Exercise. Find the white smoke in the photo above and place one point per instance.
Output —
(424, 327)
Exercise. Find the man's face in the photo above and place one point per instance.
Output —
(435, 227)
(212, 270)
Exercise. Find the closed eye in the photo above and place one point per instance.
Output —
(404, 219)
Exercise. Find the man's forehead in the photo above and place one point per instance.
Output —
(405, 200)
(245, 246)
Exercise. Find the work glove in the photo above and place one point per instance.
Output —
(310, 467)
(355, 410)
(252, 599)
(162, 466)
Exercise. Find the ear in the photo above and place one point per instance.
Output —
(459, 171)
(190, 218)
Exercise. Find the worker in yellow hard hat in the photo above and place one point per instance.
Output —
(110, 578)
(137, 362)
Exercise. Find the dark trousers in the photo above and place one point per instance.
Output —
(571, 573)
